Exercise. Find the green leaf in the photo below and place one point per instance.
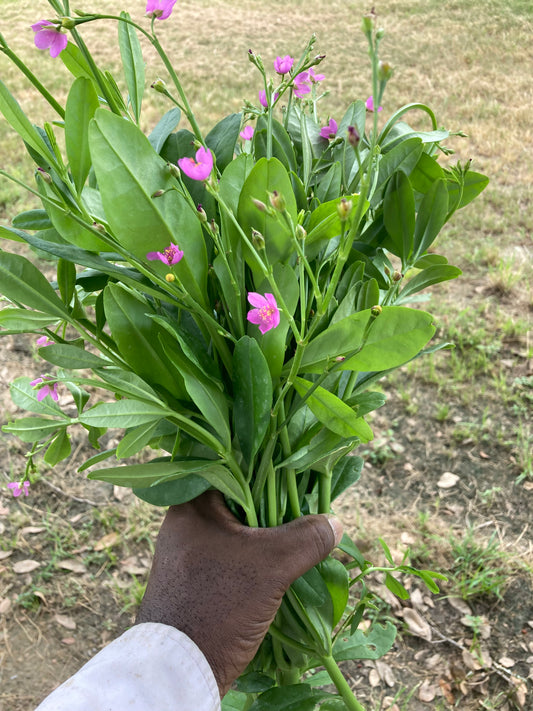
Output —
(431, 217)
(32, 429)
(175, 492)
(345, 473)
(429, 260)
(348, 546)
(59, 449)
(222, 138)
(267, 176)
(66, 280)
(368, 295)
(18, 120)
(373, 645)
(164, 128)
(428, 277)
(136, 439)
(252, 393)
(386, 550)
(333, 412)
(24, 396)
(297, 697)
(329, 187)
(123, 413)
(396, 336)
(132, 63)
(32, 220)
(396, 587)
(474, 184)
(402, 157)
(425, 173)
(234, 701)
(399, 215)
(81, 106)
(75, 62)
(337, 580)
(128, 384)
(22, 282)
(321, 450)
(137, 337)
(23, 320)
(129, 172)
(71, 357)
(311, 588)
(254, 682)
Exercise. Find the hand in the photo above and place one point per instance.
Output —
(221, 583)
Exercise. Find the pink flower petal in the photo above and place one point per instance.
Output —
(257, 299)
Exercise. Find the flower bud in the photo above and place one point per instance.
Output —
(385, 71)
(339, 359)
(80, 13)
(301, 233)
(260, 205)
(257, 239)
(160, 86)
(158, 193)
(380, 33)
(170, 278)
(68, 23)
(98, 226)
(277, 201)
(367, 24)
(214, 227)
(376, 310)
(174, 170)
(44, 175)
(343, 209)
(353, 136)
(397, 276)
(202, 216)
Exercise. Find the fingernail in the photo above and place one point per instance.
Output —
(337, 528)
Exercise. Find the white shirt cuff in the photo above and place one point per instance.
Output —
(151, 666)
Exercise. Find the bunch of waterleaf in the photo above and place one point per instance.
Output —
(162, 244)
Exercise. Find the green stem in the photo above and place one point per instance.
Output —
(31, 76)
(324, 493)
(272, 496)
(342, 685)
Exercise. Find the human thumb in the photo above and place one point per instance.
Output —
(304, 542)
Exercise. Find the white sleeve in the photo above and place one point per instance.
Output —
(151, 666)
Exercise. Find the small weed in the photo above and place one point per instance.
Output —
(490, 496)
(442, 413)
(524, 452)
(480, 568)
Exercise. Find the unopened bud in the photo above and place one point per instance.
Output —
(277, 201)
(339, 359)
(397, 276)
(98, 226)
(257, 239)
(170, 278)
(368, 22)
(158, 193)
(387, 271)
(68, 23)
(44, 175)
(160, 86)
(353, 136)
(376, 310)
(174, 170)
(202, 216)
(343, 209)
(380, 33)
(385, 71)
(301, 233)
(214, 227)
(80, 13)
(260, 205)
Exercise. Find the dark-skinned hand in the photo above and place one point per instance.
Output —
(221, 583)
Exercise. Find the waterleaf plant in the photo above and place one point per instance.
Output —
(225, 303)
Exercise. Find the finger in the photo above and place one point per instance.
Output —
(304, 542)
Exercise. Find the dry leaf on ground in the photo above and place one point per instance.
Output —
(5, 554)
(75, 566)
(427, 691)
(417, 624)
(447, 480)
(460, 605)
(65, 621)
(107, 541)
(25, 566)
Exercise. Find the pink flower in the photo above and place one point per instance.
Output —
(160, 9)
(263, 99)
(43, 341)
(18, 489)
(315, 77)
(200, 167)
(300, 87)
(283, 65)
(170, 255)
(48, 36)
(369, 103)
(266, 315)
(247, 133)
(329, 131)
(45, 389)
